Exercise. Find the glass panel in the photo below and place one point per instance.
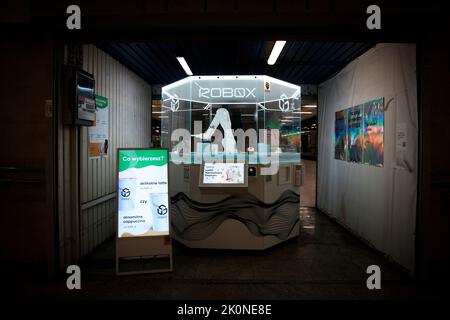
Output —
(246, 102)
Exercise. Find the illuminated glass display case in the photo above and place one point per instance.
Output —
(204, 105)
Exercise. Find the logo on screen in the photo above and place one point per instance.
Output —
(125, 192)
(162, 210)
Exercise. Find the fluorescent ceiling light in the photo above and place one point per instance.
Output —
(158, 112)
(185, 66)
(303, 112)
(309, 106)
(276, 50)
(163, 117)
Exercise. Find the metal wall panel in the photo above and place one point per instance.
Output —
(129, 99)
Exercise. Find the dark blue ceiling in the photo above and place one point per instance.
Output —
(299, 62)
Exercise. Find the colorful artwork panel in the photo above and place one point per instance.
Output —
(355, 134)
(374, 132)
(340, 135)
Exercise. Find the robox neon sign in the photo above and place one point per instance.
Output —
(226, 92)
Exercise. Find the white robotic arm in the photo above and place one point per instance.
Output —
(222, 118)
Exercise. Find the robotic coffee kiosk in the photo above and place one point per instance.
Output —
(235, 171)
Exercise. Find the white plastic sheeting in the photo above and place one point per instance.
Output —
(378, 204)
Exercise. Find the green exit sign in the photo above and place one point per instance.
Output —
(101, 102)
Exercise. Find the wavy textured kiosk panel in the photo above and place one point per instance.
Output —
(192, 220)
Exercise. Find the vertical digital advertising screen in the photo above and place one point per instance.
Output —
(143, 193)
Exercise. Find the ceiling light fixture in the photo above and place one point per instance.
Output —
(309, 106)
(185, 66)
(276, 50)
(303, 112)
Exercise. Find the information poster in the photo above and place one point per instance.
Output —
(223, 173)
(340, 135)
(401, 134)
(355, 134)
(373, 132)
(99, 132)
(143, 198)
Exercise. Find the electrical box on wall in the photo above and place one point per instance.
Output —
(78, 97)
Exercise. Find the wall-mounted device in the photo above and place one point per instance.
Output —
(78, 97)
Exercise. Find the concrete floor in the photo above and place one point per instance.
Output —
(324, 262)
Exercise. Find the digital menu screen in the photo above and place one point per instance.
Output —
(143, 193)
(223, 174)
